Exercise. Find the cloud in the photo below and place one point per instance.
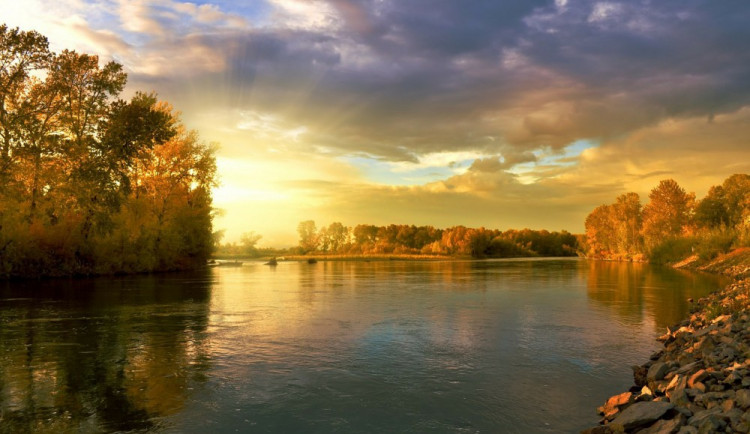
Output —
(397, 90)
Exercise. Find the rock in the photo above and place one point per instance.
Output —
(687, 429)
(711, 424)
(733, 415)
(604, 429)
(614, 404)
(742, 397)
(642, 413)
(665, 426)
(699, 417)
(689, 367)
(657, 371)
(698, 376)
(680, 398)
(640, 375)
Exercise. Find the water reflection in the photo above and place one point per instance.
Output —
(382, 346)
(635, 292)
(100, 354)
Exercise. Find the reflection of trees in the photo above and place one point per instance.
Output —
(635, 291)
(101, 354)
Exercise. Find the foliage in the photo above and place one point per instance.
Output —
(90, 183)
(426, 240)
(711, 243)
(672, 250)
(668, 213)
(672, 226)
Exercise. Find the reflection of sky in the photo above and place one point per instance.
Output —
(351, 346)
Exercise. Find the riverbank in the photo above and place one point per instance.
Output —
(700, 381)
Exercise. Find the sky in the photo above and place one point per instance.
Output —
(502, 114)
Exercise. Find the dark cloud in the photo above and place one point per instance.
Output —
(400, 79)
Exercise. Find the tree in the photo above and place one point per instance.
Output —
(600, 231)
(337, 235)
(668, 213)
(90, 183)
(736, 197)
(712, 211)
(628, 221)
(21, 54)
(308, 236)
(248, 241)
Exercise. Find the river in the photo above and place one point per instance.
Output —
(501, 346)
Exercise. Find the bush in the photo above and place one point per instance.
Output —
(672, 250)
(714, 242)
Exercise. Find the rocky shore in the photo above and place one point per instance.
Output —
(700, 381)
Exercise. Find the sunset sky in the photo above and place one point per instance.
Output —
(503, 114)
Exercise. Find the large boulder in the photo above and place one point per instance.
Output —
(642, 413)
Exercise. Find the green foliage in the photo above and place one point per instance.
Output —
(711, 243)
(672, 250)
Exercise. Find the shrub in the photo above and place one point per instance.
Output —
(714, 242)
(672, 250)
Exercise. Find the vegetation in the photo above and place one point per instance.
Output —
(426, 240)
(672, 225)
(90, 183)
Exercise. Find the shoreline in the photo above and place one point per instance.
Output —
(699, 382)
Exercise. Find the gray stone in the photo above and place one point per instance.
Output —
(657, 371)
(665, 426)
(690, 367)
(642, 413)
(700, 416)
(680, 398)
(711, 424)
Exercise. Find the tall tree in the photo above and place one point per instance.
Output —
(308, 236)
(737, 197)
(601, 233)
(668, 213)
(626, 212)
(712, 211)
(21, 53)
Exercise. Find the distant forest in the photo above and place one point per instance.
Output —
(91, 183)
(673, 224)
(337, 239)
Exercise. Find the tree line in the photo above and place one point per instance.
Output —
(673, 224)
(337, 238)
(91, 183)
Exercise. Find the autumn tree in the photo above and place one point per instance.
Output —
(337, 235)
(21, 53)
(308, 236)
(248, 241)
(90, 183)
(736, 198)
(627, 223)
(668, 213)
(601, 234)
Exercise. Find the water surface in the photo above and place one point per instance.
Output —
(384, 346)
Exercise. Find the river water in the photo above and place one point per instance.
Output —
(353, 347)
